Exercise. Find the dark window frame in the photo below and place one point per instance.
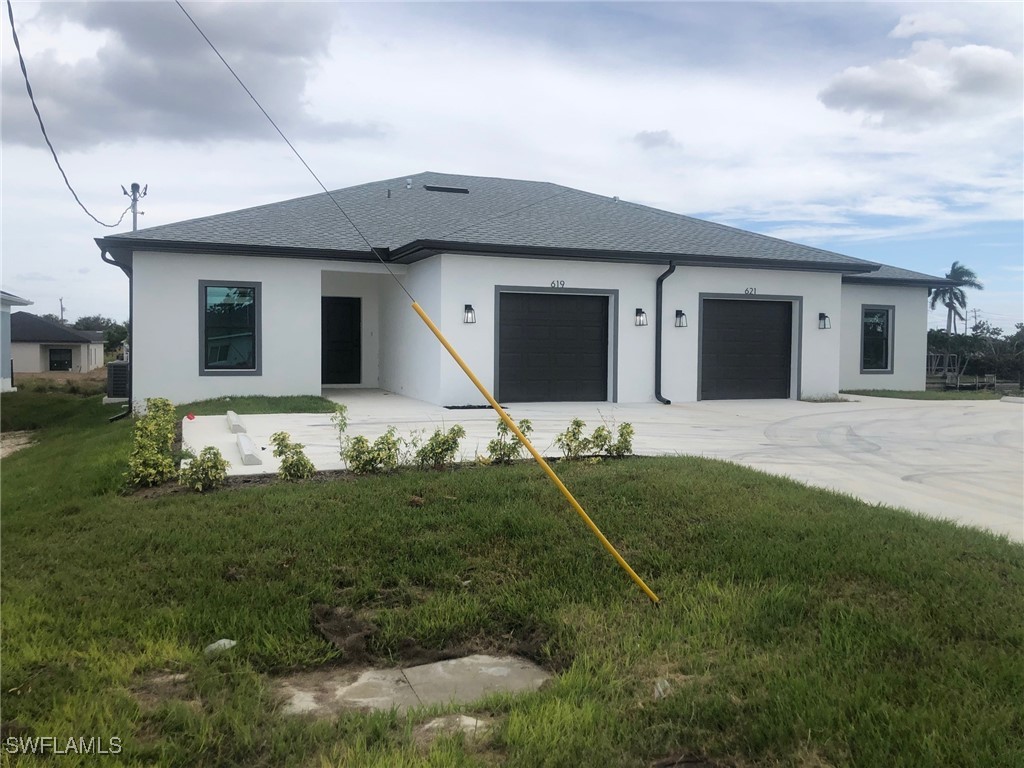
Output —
(257, 329)
(70, 358)
(890, 337)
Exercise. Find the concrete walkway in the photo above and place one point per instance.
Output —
(456, 681)
(961, 460)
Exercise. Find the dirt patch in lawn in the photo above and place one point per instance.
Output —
(354, 635)
(15, 441)
(155, 689)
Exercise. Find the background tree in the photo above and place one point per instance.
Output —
(952, 297)
(113, 332)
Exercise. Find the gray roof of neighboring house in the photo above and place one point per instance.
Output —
(886, 275)
(496, 216)
(31, 329)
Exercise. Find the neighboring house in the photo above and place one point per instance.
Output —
(7, 300)
(39, 345)
(549, 293)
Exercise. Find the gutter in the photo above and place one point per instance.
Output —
(658, 322)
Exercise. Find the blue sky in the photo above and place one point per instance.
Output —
(887, 131)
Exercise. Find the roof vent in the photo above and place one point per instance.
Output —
(455, 190)
(408, 183)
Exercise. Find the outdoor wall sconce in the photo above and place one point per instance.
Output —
(823, 322)
(681, 319)
(469, 314)
(641, 317)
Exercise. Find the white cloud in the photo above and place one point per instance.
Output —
(933, 84)
(931, 23)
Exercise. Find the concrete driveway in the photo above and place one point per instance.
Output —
(960, 460)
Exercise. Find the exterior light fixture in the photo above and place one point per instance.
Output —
(641, 317)
(823, 322)
(681, 319)
(469, 314)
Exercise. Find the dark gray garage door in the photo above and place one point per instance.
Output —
(552, 347)
(746, 349)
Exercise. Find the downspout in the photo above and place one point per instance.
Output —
(131, 345)
(657, 334)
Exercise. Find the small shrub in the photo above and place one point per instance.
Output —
(148, 466)
(151, 461)
(572, 442)
(623, 445)
(205, 472)
(506, 448)
(295, 464)
(382, 455)
(601, 440)
(441, 448)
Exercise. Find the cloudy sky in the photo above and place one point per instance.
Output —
(890, 132)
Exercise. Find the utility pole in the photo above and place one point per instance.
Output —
(135, 195)
(975, 311)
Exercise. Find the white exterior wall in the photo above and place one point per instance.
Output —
(909, 340)
(28, 358)
(95, 357)
(815, 352)
(471, 280)
(35, 358)
(166, 350)
(410, 357)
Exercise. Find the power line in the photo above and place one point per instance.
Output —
(42, 127)
(292, 148)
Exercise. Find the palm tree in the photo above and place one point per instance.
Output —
(953, 296)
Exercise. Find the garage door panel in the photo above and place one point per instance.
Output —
(746, 349)
(552, 347)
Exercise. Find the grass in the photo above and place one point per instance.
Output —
(797, 627)
(927, 395)
(258, 404)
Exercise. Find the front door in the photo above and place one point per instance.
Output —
(340, 333)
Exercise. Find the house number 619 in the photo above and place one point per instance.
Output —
(558, 283)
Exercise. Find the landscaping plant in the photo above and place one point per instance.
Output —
(364, 457)
(295, 465)
(204, 472)
(441, 448)
(506, 448)
(572, 442)
(575, 445)
(152, 459)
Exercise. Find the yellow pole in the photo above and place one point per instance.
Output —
(533, 451)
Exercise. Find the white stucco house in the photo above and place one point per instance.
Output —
(549, 293)
(38, 345)
(7, 300)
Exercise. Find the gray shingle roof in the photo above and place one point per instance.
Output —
(29, 328)
(496, 214)
(896, 276)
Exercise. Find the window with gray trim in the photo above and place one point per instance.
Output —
(876, 339)
(229, 328)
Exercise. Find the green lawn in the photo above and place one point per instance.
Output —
(928, 394)
(797, 627)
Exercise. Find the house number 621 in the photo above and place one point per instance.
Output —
(558, 283)
(750, 291)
